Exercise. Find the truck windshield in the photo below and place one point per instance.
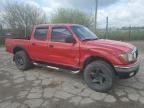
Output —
(84, 33)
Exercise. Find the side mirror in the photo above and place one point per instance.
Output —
(70, 39)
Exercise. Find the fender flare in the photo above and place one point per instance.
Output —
(20, 48)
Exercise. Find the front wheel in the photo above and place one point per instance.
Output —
(99, 76)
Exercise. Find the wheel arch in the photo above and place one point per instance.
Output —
(95, 58)
(20, 48)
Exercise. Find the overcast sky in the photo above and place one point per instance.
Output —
(120, 12)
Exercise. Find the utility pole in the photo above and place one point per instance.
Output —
(96, 8)
(25, 26)
(25, 35)
(106, 36)
(1, 27)
(129, 32)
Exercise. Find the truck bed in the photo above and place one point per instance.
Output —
(11, 43)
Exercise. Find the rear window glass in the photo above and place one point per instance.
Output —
(41, 33)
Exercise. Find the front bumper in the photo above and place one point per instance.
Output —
(124, 72)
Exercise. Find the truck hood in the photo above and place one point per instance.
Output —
(117, 46)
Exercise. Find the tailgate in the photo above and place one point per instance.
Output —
(9, 44)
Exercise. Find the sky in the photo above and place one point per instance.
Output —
(120, 12)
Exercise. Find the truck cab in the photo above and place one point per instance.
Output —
(54, 44)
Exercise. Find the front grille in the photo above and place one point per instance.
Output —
(135, 53)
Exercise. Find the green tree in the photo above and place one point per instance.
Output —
(63, 15)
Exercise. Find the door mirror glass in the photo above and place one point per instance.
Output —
(70, 39)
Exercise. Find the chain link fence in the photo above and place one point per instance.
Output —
(131, 34)
(2, 39)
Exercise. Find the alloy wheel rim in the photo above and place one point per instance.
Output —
(20, 60)
(98, 77)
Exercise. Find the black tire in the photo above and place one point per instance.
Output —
(22, 61)
(99, 76)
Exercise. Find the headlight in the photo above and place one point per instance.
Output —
(127, 57)
(130, 57)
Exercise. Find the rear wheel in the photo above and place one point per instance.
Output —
(22, 61)
(99, 76)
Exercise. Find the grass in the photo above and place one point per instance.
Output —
(1, 41)
(1, 46)
(123, 35)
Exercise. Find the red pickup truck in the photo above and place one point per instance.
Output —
(75, 47)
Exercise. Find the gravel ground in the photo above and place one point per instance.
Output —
(45, 88)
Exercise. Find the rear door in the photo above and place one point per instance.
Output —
(61, 52)
(39, 44)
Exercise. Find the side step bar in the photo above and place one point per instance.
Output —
(55, 68)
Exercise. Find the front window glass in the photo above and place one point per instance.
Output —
(60, 34)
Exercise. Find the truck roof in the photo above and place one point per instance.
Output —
(46, 25)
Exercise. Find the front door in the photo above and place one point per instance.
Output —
(60, 51)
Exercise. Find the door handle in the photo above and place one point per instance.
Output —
(51, 46)
(33, 44)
